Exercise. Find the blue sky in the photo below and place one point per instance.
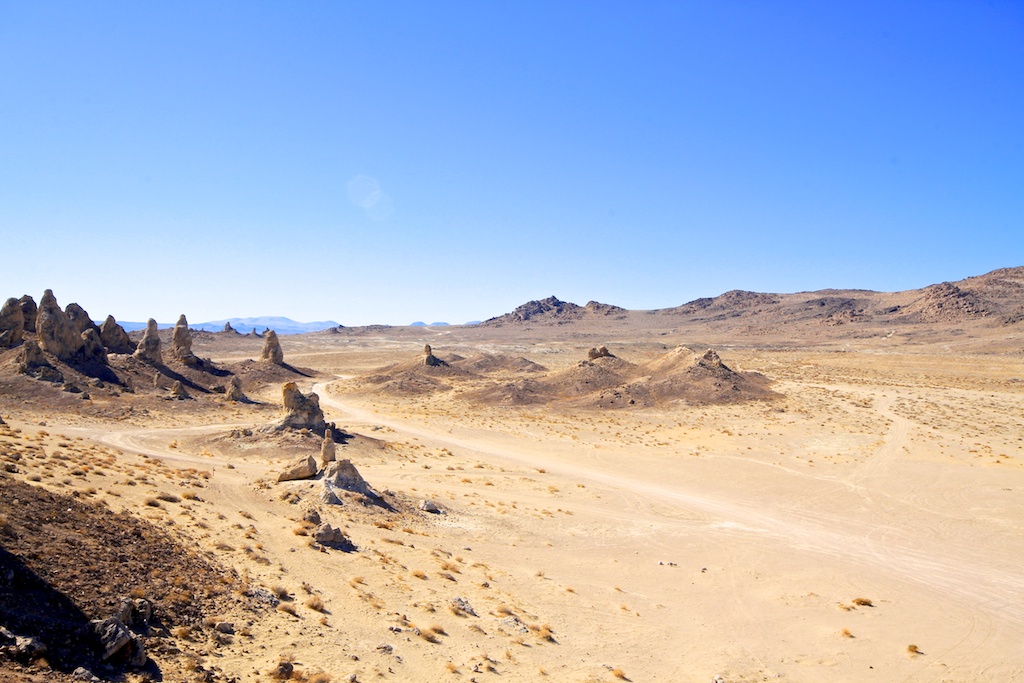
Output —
(387, 162)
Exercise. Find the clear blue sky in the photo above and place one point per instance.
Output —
(384, 162)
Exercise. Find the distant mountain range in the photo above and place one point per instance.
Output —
(245, 325)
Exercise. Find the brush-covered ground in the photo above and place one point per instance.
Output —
(858, 517)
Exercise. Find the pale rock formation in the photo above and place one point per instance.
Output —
(303, 411)
(234, 389)
(430, 359)
(327, 449)
(114, 338)
(710, 359)
(332, 536)
(12, 324)
(56, 333)
(92, 350)
(178, 390)
(79, 318)
(342, 474)
(149, 348)
(430, 506)
(29, 310)
(228, 328)
(301, 468)
(272, 349)
(181, 342)
(601, 352)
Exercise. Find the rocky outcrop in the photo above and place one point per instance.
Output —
(328, 450)
(29, 310)
(181, 342)
(272, 349)
(149, 348)
(79, 318)
(12, 324)
(303, 411)
(601, 352)
(228, 328)
(55, 332)
(32, 362)
(114, 338)
(301, 468)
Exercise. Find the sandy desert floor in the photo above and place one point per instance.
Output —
(866, 525)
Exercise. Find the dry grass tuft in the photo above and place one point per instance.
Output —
(914, 650)
(315, 603)
(287, 608)
(845, 633)
(863, 602)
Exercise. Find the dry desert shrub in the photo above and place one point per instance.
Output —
(863, 602)
(287, 608)
(620, 674)
(320, 677)
(845, 633)
(168, 497)
(315, 603)
(914, 650)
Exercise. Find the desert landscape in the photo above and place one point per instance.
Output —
(821, 486)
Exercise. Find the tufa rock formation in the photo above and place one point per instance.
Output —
(33, 363)
(92, 350)
(29, 310)
(234, 389)
(181, 342)
(601, 352)
(178, 391)
(228, 328)
(272, 349)
(12, 324)
(114, 338)
(149, 348)
(301, 468)
(79, 318)
(56, 333)
(342, 474)
(328, 450)
(303, 411)
(430, 360)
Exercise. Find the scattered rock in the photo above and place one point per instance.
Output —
(149, 348)
(181, 342)
(12, 324)
(431, 507)
(272, 349)
(332, 536)
(302, 468)
(83, 674)
(311, 515)
(260, 594)
(224, 627)
(113, 635)
(114, 338)
(462, 606)
(328, 450)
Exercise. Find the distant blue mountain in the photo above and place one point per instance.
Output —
(418, 323)
(276, 323)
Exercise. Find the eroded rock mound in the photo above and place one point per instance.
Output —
(92, 351)
(150, 346)
(12, 324)
(272, 349)
(114, 338)
(56, 333)
(79, 318)
(181, 342)
(33, 363)
(234, 389)
(29, 310)
(342, 474)
(601, 352)
(303, 411)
